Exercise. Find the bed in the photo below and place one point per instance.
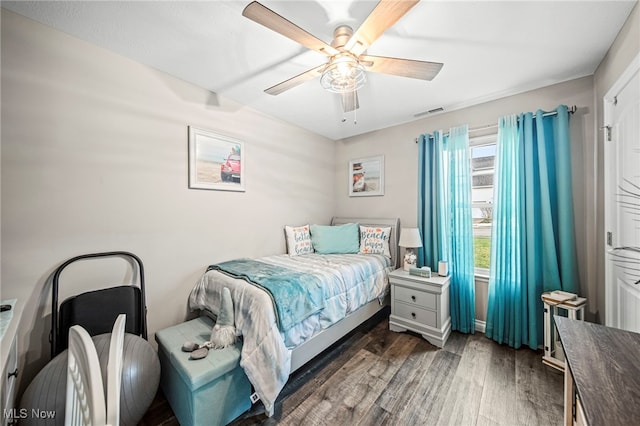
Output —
(276, 342)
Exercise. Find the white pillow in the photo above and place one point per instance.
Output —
(298, 240)
(375, 240)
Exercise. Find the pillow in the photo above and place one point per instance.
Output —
(298, 240)
(375, 240)
(339, 239)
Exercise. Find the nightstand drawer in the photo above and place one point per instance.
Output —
(415, 297)
(416, 314)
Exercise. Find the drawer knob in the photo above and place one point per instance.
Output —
(413, 314)
(413, 298)
(14, 374)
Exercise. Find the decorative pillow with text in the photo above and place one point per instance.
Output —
(375, 240)
(298, 240)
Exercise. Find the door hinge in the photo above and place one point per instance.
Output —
(609, 238)
(607, 132)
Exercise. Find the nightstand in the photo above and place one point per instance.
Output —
(420, 305)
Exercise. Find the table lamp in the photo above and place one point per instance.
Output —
(410, 239)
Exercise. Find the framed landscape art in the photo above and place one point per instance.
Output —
(215, 161)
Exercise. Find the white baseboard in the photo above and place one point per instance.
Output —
(481, 327)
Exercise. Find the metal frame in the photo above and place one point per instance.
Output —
(54, 334)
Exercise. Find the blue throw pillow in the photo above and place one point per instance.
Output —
(340, 239)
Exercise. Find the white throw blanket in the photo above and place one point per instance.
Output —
(351, 281)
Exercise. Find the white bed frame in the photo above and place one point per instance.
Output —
(321, 341)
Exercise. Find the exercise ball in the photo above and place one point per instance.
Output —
(43, 402)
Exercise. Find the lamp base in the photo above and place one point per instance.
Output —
(409, 260)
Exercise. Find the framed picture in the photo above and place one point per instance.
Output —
(366, 177)
(215, 161)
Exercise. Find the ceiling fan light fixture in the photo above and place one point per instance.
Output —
(343, 74)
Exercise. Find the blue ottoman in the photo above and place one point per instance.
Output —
(209, 391)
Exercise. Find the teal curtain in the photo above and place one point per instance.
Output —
(462, 288)
(533, 238)
(431, 200)
(444, 217)
(507, 296)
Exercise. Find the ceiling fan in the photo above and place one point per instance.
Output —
(344, 73)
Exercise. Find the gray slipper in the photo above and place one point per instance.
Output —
(200, 353)
(190, 347)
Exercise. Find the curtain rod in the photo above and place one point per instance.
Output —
(571, 110)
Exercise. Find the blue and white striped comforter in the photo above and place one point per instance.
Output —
(350, 281)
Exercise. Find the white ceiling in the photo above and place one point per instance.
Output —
(490, 49)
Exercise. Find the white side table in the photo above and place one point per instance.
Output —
(9, 356)
(420, 305)
(573, 309)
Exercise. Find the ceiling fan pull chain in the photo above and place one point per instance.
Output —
(355, 111)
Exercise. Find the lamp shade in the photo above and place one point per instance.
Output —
(410, 237)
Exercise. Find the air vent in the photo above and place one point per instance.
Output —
(431, 111)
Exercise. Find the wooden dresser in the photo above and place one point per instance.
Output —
(602, 383)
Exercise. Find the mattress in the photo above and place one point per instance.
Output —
(349, 280)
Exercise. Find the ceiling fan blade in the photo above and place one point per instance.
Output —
(295, 81)
(350, 101)
(384, 15)
(270, 19)
(422, 70)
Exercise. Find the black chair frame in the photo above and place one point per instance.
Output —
(59, 329)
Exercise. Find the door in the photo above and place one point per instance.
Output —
(622, 202)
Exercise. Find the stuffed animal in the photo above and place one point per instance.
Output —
(223, 333)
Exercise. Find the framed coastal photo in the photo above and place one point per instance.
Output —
(366, 177)
(215, 161)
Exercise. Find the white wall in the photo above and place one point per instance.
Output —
(398, 146)
(623, 50)
(94, 158)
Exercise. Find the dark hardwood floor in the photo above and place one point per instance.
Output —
(377, 377)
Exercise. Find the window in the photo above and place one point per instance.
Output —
(483, 156)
